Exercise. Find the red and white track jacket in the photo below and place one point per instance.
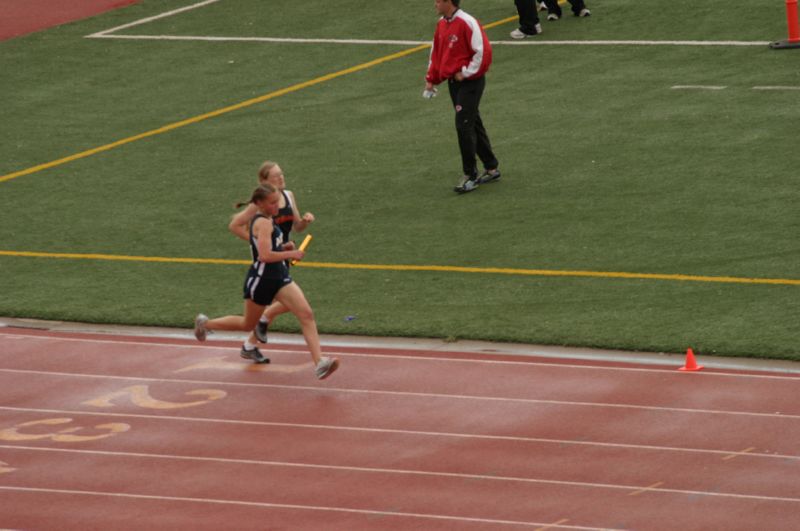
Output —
(459, 45)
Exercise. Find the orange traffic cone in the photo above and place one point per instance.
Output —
(690, 364)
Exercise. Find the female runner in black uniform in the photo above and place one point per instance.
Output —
(267, 280)
(288, 218)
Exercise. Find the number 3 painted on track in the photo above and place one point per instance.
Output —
(13, 434)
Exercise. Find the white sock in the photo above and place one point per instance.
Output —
(249, 346)
(263, 320)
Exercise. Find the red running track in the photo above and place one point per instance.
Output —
(109, 432)
(20, 17)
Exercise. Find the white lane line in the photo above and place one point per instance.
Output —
(150, 19)
(290, 506)
(413, 394)
(443, 357)
(698, 87)
(454, 475)
(391, 431)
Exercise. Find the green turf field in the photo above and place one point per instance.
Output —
(608, 169)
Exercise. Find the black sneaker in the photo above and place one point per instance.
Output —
(261, 331)
(489, 176)
(254, 355)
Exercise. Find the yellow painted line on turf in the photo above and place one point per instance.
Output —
(424, 268)
(213, 114)
(556, 273)
(499, 22)
(116, 257)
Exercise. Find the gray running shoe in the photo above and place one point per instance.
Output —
(489, 176)
(466, 184)
(200, 331)
(261, 331)
(326, 366)
(254, 355)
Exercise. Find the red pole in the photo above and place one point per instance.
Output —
(794, 28)
(791, 19)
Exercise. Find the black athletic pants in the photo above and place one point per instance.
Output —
(472, 137)
(528, 16)
(554, 8)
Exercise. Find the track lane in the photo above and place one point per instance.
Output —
(549, 443)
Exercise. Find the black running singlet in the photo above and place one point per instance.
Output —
(285, 217)
(272, 269)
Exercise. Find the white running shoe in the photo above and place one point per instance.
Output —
(326, 366)
(519, 34)
(585, 13)
(200, 330)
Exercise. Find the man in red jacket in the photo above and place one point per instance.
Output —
(461, 54)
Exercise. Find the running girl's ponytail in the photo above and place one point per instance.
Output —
(259, 194)
(262, 191)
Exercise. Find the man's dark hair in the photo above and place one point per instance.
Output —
(455, 2)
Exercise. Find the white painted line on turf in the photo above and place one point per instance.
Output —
(442, 358)
(411, 394)
(150, 19)
(399, 471)
(257, 39)
(776, 87)
(698, 87)
(395, 431)
(631, 43)
(288, 506)
(296, 40)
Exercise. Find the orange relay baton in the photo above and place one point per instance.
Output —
(303, 245)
